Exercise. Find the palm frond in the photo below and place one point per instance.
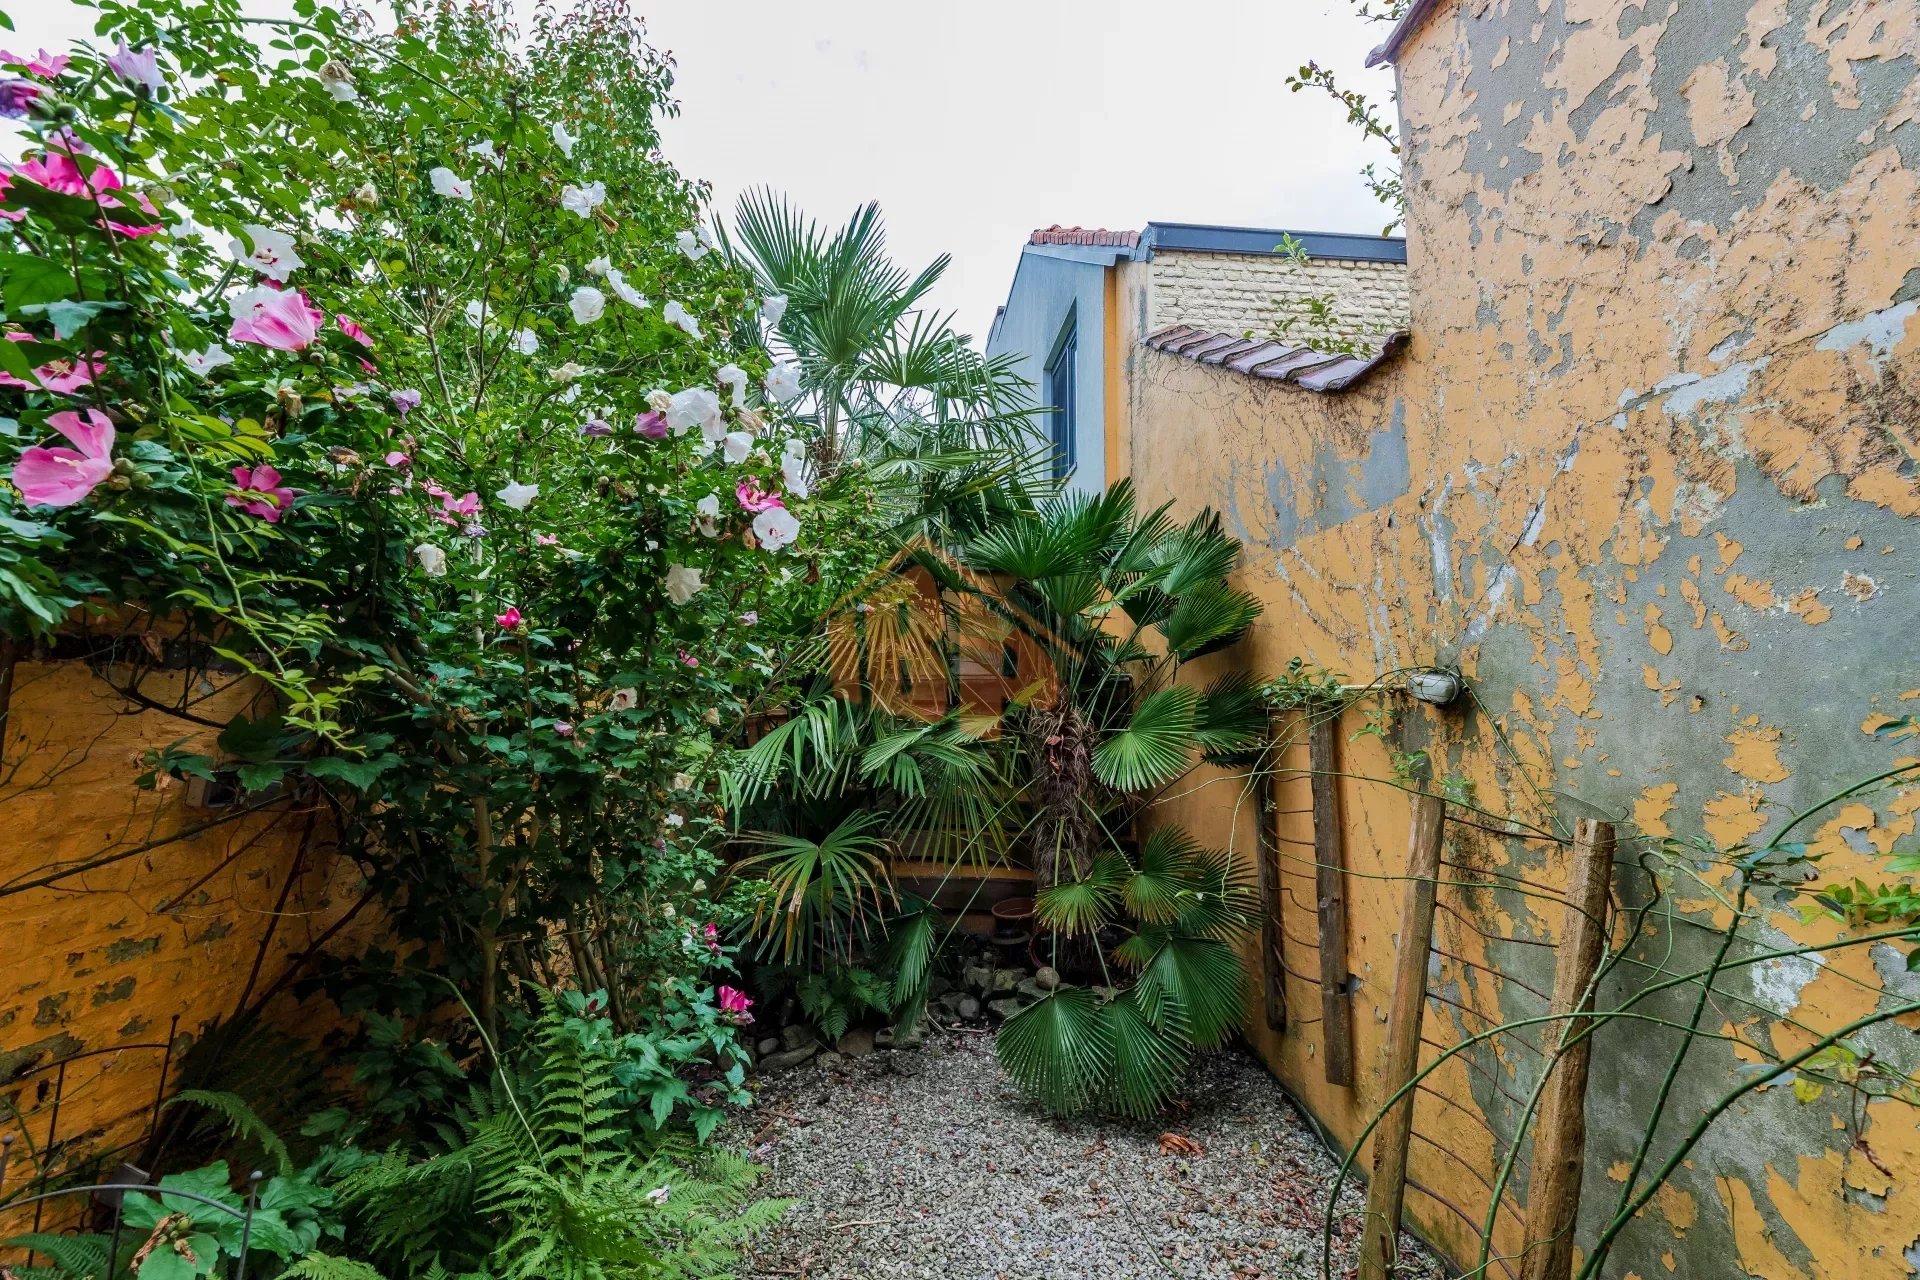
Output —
(1209, 616)
(1149, 1056)
(1154, 746)
(821, 890)
(1166, 875)
(1231, 721)
(1226, 900)
(1060, 1049)
(1083, 906)
(1200, 977)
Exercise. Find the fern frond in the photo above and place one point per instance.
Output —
(80, 1257)
(323, 1266)
(241, 1119)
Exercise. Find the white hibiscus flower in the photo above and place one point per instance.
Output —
(775, 528)
(588, 304)
(683, 584)
(267, 251)
(450, 184)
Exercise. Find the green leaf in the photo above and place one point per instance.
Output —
(1060, 1049)
(1154, 747)
(1148, 1058)
(1203, 979)
(1166, 876)
(1211, 616)
(258, 777)
(32, 280)
(1231, 722)
(1082, 906)
(69, 318)
(357, 773)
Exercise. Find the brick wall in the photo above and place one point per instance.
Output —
(1238, 293)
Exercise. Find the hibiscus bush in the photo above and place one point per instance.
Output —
(397, 368)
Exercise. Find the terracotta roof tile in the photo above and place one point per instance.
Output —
(1057, 234)
(1277, 361)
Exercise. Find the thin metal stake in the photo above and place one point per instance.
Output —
(113, 1240)
(246, 1226)
(46, 1153)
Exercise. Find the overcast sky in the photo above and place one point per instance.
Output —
(974, 123)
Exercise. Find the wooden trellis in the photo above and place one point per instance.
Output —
(1553, 1170)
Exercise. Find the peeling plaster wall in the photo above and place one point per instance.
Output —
(1646, 475)
(110, 956)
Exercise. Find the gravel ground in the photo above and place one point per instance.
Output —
(928, 1162)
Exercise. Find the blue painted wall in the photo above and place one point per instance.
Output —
(1052, 283)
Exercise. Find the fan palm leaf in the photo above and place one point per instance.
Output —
(827, 888)
(1210, 616)
(1154, 745)
(1060, 1049)
(1166, 875)
(1202, 978)
(1083, 906)
(1149, 1056)
(1231, 721)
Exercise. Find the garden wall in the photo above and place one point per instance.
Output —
(1646, 476)
(131, 919)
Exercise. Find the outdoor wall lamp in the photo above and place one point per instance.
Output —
(1435, 686)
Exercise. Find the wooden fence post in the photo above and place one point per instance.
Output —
(1271, 956)
(1380, 1249)
(1560, 1128)
(1330, 878)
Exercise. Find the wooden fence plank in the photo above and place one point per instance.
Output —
(1273, 976)
(1560, 1128)
(1379, 1249)
(1336, 1009)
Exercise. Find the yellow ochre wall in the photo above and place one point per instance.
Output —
(156, 910)
(1646, 476)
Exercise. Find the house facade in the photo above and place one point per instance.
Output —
(1083, 297)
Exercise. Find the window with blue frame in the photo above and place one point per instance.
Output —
(1061, 397)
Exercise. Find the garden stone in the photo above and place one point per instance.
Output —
(949, 1004)
(789, 1058)
(883, 1038)
(829, 1060)
(1005, 1007)
(938, 986)
(1047, 976)
(857, 1043)
(1005, 980)
(1032, 990)
(978, 978)
(798, 1034)
(767, 1045)
(967, 1007)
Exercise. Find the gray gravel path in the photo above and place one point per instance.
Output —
(930, 1163)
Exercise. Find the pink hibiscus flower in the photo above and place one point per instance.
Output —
(509, 620)
(735, 1003)
(279, 318)
(59, 172)
(59, 477)
(354, 331)
(62, 375)
(651, 425)
(44, 65)
(261, 493)
(755, 499)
